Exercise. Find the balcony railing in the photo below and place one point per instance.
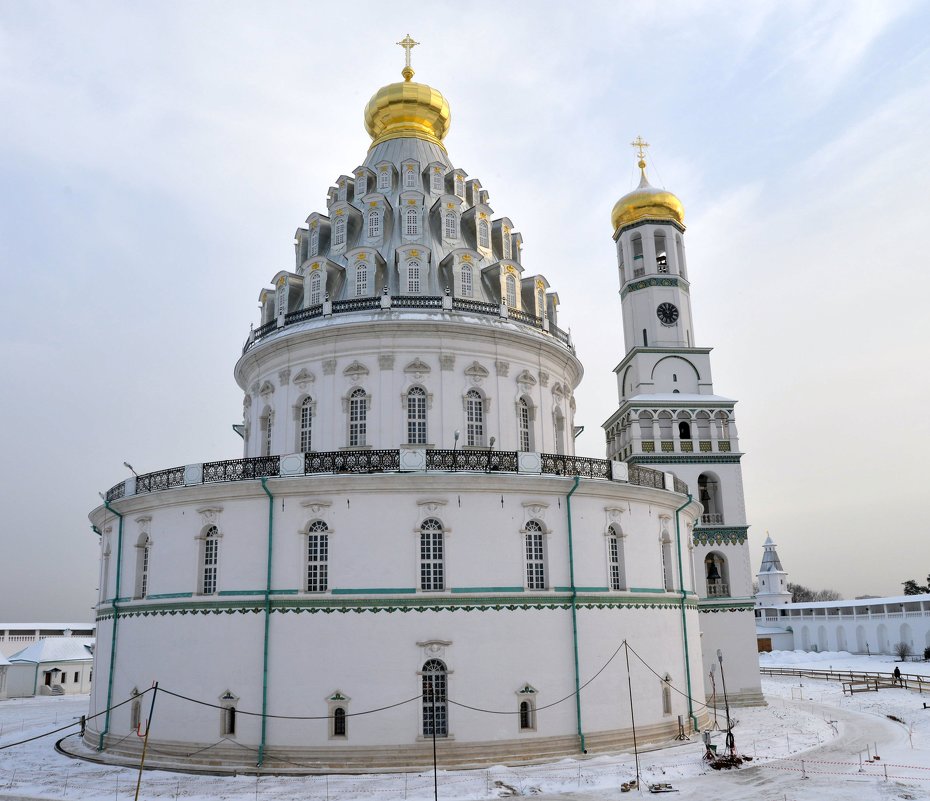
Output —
(714, 519)
(385, 461)
(718, 589)
(387, 302)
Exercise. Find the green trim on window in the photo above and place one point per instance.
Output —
(171, 595)
(375, 591)
(582, 589)
(256, 592)
(648, 589)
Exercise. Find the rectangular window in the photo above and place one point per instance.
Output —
(416, 416)
(616, 563)
(474, 414)
(361, 186)
(77, 677)
(358, 419)
(535, 558)
(437, 180)
(410, 177)
(228, 721)
(317, 562)
(384, 179)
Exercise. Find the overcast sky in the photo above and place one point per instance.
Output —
(156, 159)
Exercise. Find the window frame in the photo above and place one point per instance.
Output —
(616, 559)
(534, 555)
(208, 574)
(474, 419)
(432, 555)
(416, 406)
(435, 683)
(316, 557)
(357, 415)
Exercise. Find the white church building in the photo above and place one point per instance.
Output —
(409, 548)
(861, 626)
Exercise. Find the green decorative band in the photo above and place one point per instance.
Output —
(645, 283)
(257, 592)
(473, 590)
(376, 591)
(419, 603)
(647, 589)
(729, 605)
(684, 458)
(582, 589)
(170, 595)
(731, 535)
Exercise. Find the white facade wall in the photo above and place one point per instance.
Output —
(372, 630)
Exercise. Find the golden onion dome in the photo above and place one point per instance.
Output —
(647, 202)
(407, 109)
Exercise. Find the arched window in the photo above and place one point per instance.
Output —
(474, 418)
(411, 222)
(142, 566)
(228, 714)
(535, 556)
(316, 288)
(523, 425)
(306, 425)
(361, 278)
(684, 430)
(432, 564)
(339, 232)
(413, 277)
(459, 186)
(339, 722)
(416, 416)
(559, 432)
(410, 177)
(435, 710)
(358, 418)
(317, 557)
(484, 234)
(437, 180)
(505, 243)
(450, 229)
(281, 300)
(615, 559)
(667, 695)
(710, 497)
(384, 179)
(541, 302)
(661, 253)
(374, 224)
(361, 185)
(527, 716)
(135, 712)
(511, 291)
(636, 245)
(667, 566)
(716, 575)
(210, 549)
(466, 281)
(268, 422)
(314, 241)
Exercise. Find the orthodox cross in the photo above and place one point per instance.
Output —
(639, 143)
(408, 44)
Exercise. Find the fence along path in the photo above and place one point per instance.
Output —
(856, 680)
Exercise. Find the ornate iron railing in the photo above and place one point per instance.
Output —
(416, 301)
(241, 469)
(468, 460)
(380, 461)
(267, 328)
(356, 304)
(302, 314)
(646, 477)
(479, 306)
(407, 302)
(163, 479)
(388, 461)
(559, 465)
(523, 317)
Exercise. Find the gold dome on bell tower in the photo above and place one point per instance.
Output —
(407, 109)
(646, 202)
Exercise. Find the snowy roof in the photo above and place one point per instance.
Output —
(678, 397)
(56, 649)
(770, 561)
(45, 626)
(766, 630)
(893, 599)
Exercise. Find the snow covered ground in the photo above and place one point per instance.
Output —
(795, 726)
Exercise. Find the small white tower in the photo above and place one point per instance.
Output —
(773, 580)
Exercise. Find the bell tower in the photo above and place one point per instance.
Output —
(670, 418)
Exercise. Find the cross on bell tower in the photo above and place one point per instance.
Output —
(408, 44)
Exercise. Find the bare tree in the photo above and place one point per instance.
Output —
(902, 650)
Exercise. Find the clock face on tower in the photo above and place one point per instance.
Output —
(667, 313)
